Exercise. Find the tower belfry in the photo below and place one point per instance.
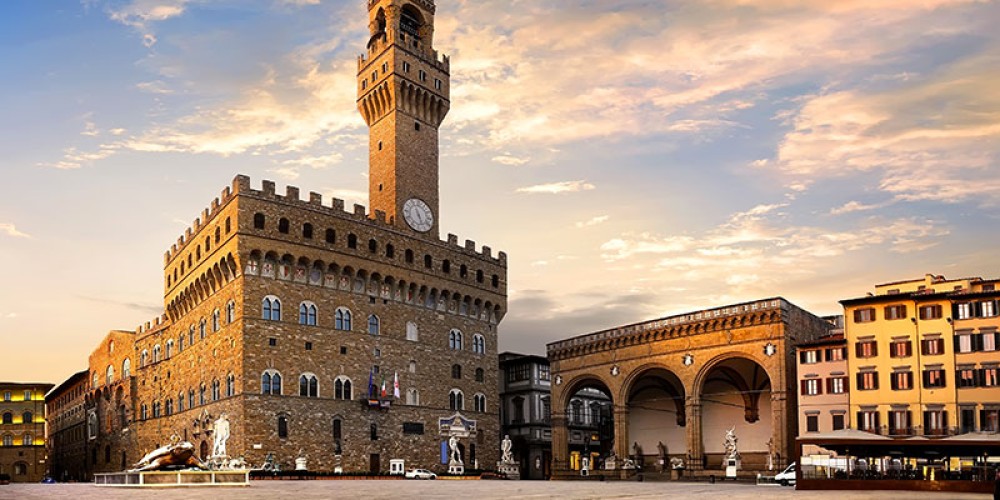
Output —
(403, 88)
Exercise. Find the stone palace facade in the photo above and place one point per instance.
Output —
(351, 337)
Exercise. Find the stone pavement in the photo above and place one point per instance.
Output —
(460, 490)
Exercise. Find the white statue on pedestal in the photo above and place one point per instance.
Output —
(731, 449)
(456, 456)
(301, 462)
(505, 446)
(221, 436)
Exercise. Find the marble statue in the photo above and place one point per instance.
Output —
(302, 461)
(676, 463)
(237, 463)
(730, 444)
(505, 447)
(456, 456)
(177, 454)
(221, 436)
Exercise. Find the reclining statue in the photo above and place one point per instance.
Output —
(178, 454)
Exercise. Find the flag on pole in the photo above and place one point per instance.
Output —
(370, 382)
(395, 385)
(383, 386)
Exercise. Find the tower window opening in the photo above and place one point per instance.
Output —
(422, 75)
(416, 125)
(409, 22)
(406, 67)
(374, 76)
(380, 145)
(385, 67)
(437, 84)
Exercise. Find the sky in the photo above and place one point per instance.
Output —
(634, 158)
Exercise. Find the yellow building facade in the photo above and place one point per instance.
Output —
(22, 431)
(922, 357)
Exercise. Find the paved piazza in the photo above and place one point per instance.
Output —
(479, 490)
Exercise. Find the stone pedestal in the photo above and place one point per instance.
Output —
(510, 470)
(456, 468)
(732, 466)
(301, 464)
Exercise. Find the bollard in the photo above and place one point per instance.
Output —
(711, 479)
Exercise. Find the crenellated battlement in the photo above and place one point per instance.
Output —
(155, 324)
(292, 195)
(206, 216)
(428, 55)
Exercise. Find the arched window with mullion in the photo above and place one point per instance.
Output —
(342, 319)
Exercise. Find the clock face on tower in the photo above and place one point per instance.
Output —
(418, 215)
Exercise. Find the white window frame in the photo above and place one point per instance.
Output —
(308, 313)
(267, 308)
(309, 376)
(343, 319)
(272, 372)
(346, 394)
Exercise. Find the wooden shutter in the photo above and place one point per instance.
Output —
(857, 350)
(802, 387)
(861, 420)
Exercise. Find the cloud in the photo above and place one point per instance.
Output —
(350, 197)
(854, 206)
(557, 187)
(538, 316)
(154, 87)
(146, 308)
(12, 231)
(756, 250)
(90, 129)
(316, 162)
(73, 158)
(533, 76)
(935, 139)
(600, 219)
(510, 160)
(139, 13)
(630, 245)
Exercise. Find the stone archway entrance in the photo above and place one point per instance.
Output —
(736, 394)
(657, 417)
(589, 424)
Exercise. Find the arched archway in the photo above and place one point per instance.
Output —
(588, 406)
(735, 393)
(657, 417)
